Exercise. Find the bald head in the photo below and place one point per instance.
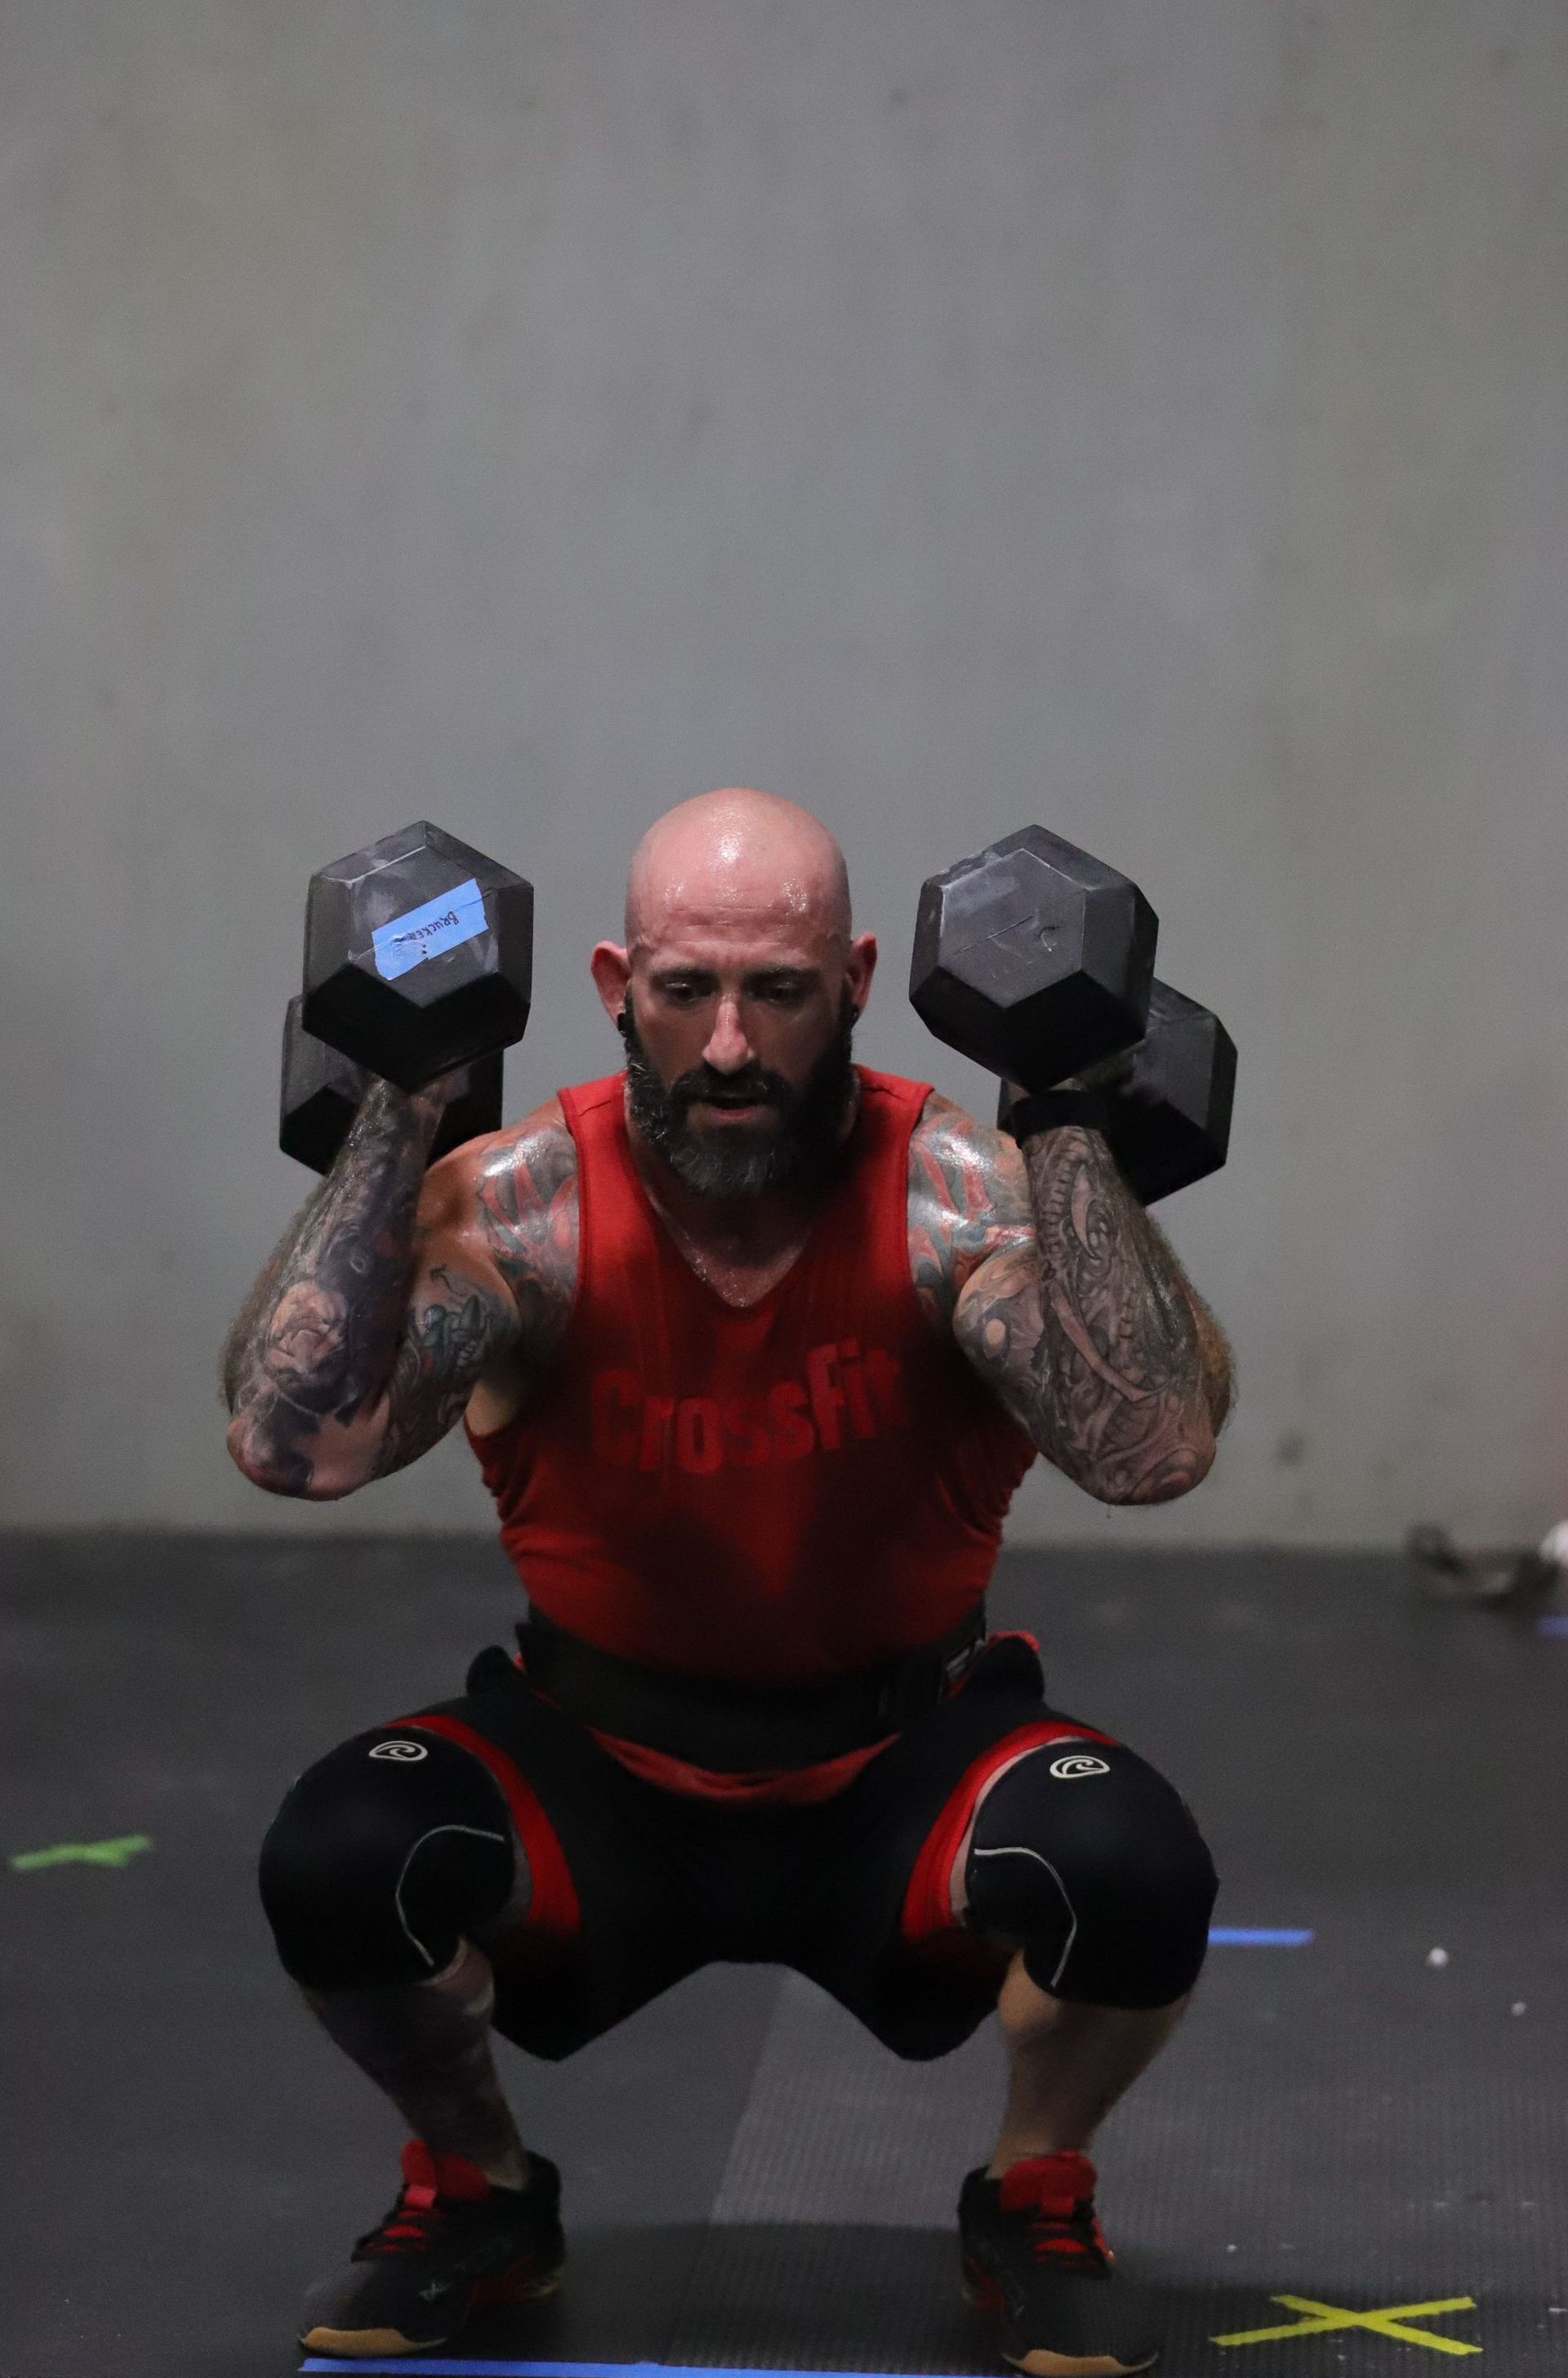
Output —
(737, 991)
(734, 857)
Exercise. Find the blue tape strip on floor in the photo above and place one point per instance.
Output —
(407, 2365)
(1557, 1624)
(1243, 1936)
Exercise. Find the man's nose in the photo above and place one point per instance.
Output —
(728, 1047)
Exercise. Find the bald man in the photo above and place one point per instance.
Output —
(753, 1345)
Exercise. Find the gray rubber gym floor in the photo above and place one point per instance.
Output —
(1354, 2122)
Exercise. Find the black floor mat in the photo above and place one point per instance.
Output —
(750, 2182)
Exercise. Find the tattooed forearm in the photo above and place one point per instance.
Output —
(315, 1343)
(1068, 1300)
(1118, 1368)
(242, 1347)
(394, 1296)
(1110, 1358)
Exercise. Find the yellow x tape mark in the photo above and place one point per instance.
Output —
(1320, 2317)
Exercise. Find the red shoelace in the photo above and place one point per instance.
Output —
(1056, 2194)
(430, 2184)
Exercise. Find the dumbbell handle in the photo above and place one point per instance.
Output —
(1023, 1113)
(323, 1089)
(1164, 1106)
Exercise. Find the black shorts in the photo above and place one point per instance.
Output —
(634, 1887)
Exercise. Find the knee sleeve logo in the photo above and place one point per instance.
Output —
(1080, 1763)
(406, 1751)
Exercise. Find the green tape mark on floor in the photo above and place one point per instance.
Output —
(117, 1853)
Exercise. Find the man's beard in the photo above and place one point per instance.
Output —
(803, 1148)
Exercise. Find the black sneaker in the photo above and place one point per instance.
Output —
(452, 2243)
(1035, 2254)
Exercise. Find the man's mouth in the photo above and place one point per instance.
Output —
(735, 1106)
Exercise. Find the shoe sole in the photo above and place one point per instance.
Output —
(984, 2295)
(360, 2344)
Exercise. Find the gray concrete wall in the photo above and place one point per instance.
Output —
(1143, 414)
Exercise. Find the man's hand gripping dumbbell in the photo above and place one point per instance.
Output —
(418, 955)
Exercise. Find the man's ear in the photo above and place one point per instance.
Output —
(612, 977)
(859, 968)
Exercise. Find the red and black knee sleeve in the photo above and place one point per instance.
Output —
(382, 1858)
(1085, 1857)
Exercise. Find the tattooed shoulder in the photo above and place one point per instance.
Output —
(516, 1201)
(967, 1200)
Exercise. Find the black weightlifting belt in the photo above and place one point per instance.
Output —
(741, 1729)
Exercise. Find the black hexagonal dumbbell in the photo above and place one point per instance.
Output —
(418, 955)
(1168, 1122)
(1037, 961)
(419, 961)
(1033, 958)
(321, 1090)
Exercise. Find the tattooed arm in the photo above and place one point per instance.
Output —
(396, 1296)
(1069, 1303)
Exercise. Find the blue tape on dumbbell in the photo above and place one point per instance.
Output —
(424, 932)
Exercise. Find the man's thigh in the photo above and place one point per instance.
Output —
(606, 1925)
(894, 1948)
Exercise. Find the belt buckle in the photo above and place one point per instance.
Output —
(965, 1657)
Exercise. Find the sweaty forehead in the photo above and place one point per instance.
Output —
(738, 935)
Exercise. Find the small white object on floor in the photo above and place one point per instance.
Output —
(1554, 1545)
(1437, 1956)
(1518, 2006)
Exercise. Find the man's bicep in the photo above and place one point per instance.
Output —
(967, 1200)
(525, 1212)
(494, 1288)
(461, 1323)
(997, 1327)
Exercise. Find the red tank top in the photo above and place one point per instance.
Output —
(775, 1495)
